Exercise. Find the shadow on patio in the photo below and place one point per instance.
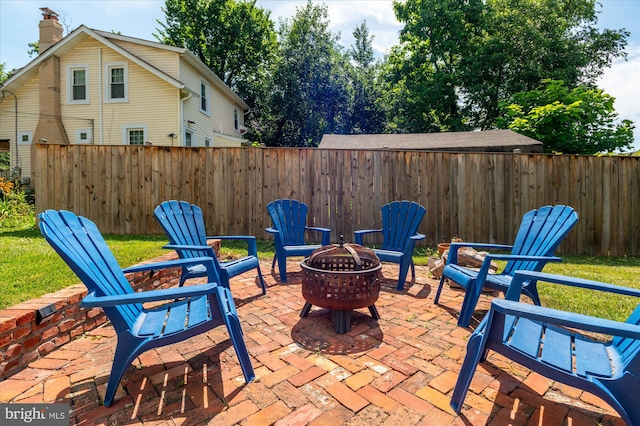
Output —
(399, 370)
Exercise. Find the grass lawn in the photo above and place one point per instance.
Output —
(30, 268)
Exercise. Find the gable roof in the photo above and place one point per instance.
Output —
(82, 32)
(487, 140)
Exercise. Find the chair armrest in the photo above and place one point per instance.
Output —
(316, 228)
(232, 237)
(418, 237)
(92, 301)
(272, 230)
(566, 319)
(168, 264)
(454, 247)
(357, 235)
(326, 233)
(184, 247)
(521, 277)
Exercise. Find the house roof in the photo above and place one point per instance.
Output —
(500, 140)
(82, 32)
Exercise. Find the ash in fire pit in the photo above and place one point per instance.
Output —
(341, 278)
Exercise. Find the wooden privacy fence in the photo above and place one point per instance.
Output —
(476, 196)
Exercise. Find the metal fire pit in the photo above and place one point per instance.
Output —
(341, 278)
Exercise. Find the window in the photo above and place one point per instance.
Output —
(208, 141)
(83, 136)
(24, 138)
(188, 138)
(204, 97)
(78, 84)
(236, 125)
(116, 80)
(135, 134)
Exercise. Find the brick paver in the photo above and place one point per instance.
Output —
(398, 370)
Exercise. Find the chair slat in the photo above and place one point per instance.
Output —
(526, 337)
(557, 350)
(177, 319)
(591, 357)
(199, 311)
(153, 323)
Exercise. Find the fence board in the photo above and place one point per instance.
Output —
(477, 196)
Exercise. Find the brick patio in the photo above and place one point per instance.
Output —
(399, 370)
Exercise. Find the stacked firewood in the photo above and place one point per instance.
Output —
(467, 257)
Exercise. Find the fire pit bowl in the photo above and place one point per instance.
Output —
(341, 278)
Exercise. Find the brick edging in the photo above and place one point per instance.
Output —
(22, 341)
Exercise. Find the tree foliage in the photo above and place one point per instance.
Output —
(367, 116)
(236, 39)
(581, 120)
(457, 60)
(309, 86)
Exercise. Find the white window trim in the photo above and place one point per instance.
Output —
(127, 127)
(193, 136)
(70, 69)
(207, 86)
(107, 82)
(210, 139)
(89, 134)
(28, 134)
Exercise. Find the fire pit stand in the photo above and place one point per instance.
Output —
(341, 278)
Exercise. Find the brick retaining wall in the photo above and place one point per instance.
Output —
(22, 341)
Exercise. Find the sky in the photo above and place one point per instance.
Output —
(138, 18)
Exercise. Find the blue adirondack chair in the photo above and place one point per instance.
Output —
(548, 342)
(184, 225)
(541, 232)
(400, 222)
(189, 311)
(289, 226)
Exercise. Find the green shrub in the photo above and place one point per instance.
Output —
(15, 209)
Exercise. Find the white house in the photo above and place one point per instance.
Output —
(95, 87)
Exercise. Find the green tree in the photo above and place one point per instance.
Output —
(4, 75)
(457, 60)
(522, 42)
(235, 39)
(581, 120)
(422, 74)
(366, 116)
(309, 89)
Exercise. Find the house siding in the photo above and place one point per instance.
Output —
(220, 118)
(153, 101)
(28, 112)
(162, 59)
(142, 105)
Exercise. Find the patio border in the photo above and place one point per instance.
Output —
(23, 341)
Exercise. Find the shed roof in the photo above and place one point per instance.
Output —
(499, 140)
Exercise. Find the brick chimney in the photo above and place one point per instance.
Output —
(50, 127)
(50, 29)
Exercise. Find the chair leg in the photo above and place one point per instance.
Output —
(437, 298)
(402, 277)
(471, 297)
(127, 348)
(227, 308)
(262, 283)
(273, 264)
(474, 352)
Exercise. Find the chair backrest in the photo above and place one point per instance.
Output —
(289, 217)
(184, 225)
(79, 242)
(400, 221)
(541, 232)
(629, 348)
